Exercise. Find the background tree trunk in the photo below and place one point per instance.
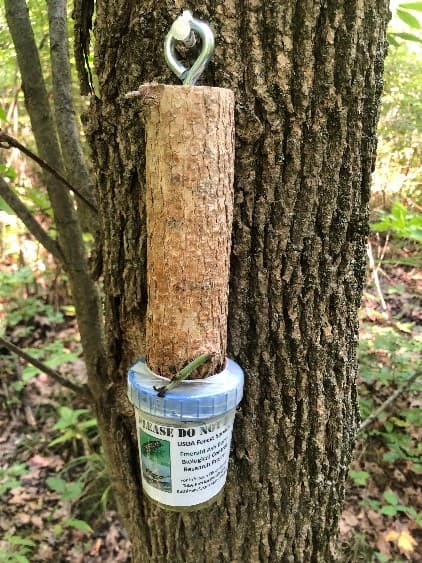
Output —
(69, 233)
(307, 83)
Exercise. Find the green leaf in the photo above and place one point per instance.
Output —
(398, 211)
(87, 424)
(391, 497)
(389, 426)
(417, 6)
(409, 19)
(411, 512)
(104, 498)
(78, 524)
(19, 558)
(67, 491)
(388, 510)
(398, 422)
(414, 232)
(73, 491)
(57, 484)
(381, 557)
(17, 469)
(18, 540)
(9, 477)
(3, 115)
(402, 508)
(359, 477)
(9, 484)
(68, 417)
(381, 226)
(373, 504)
(66, 437)
(391, 40)
(68, 310)
(405, 327)
(29, 373)
(408, 37)
(7, 171)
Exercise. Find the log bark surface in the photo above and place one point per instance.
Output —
(189, 205)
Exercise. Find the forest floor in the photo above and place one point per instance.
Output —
(382, 519)
(55, 495)
(52, 476)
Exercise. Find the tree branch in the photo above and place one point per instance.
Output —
(375, 277)
(29, 220)
(67, 124)
(80, 389)
(372, 417)
(69, 233)
(7, 141)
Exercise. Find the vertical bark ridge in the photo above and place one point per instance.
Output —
(306, 78)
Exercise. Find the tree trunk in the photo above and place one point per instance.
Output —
(65, 117)
(307, 79)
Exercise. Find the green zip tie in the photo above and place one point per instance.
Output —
(183, 374)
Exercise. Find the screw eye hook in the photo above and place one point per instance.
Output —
(182, 30)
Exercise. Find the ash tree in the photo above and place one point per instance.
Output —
(307, 78)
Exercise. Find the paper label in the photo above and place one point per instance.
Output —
(184, 465)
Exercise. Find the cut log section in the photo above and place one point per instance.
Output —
(189, 198)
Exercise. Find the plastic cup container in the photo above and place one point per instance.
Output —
(184, 437)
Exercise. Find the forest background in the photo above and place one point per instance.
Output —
(55, 493)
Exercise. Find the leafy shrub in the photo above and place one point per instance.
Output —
(400, 222)
(16, 549)
(9, 476)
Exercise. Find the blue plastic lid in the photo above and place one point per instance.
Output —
(191, 400)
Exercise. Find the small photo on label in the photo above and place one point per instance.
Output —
(156, 465)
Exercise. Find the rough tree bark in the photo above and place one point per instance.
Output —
(189, 204)
(307, 78)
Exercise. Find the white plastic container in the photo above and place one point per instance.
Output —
(184, 437)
